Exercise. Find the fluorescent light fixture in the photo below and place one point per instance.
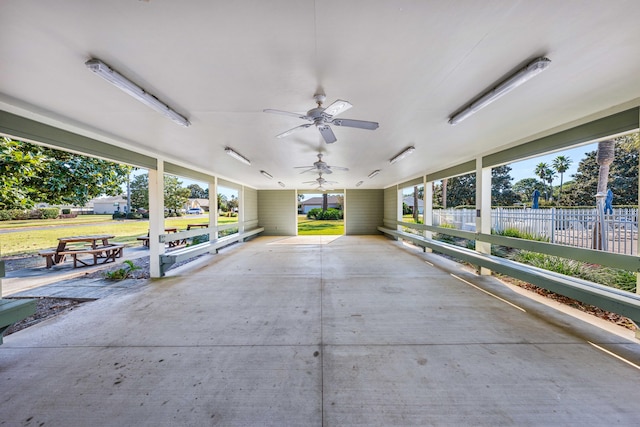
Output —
(281, 183)
(374, 173)
(403, 154)
(126, 85)
(267, 174)
(359, 183)
(532, 69)
(237, 156)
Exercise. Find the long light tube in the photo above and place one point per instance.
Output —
(281, 184)
(267, 174)
(126, 85)
(237, 156)
(374, 173)
(531, 70)
(403, 154)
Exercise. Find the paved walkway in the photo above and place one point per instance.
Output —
(64, 281)
(360, 330)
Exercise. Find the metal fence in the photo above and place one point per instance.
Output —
(572, 227)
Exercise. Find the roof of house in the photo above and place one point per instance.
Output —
(332, 200)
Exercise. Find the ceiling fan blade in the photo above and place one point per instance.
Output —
(360, 124)
(327, 134)
(295, 129)
(288, 113)
(338, 106)
(338, 168)
(311, 169)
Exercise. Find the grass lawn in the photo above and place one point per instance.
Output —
(312, 227)
(31, 240)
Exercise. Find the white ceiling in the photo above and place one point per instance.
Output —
(405, 64)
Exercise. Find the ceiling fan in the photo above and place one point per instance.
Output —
(323, 117)
(321, 167)
(321, 182)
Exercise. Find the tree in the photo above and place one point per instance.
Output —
(546, 174)
(462, 190)
(501, 192)
(623, 177)
(445, 183)
(175, 196)
(198, 192)
(222, 202)
(25, 159)
(233, 203)
(561, 165)
(525, 188)
(140, 192)
(32, 174)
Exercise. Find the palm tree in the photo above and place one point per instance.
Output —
(604, 157)
(561, 165)
(545, 173)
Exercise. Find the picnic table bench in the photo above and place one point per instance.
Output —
(14, 310)
(98, 253)
(145, 239)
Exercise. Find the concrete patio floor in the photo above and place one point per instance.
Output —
(357, 330)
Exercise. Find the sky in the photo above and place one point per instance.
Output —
(526, 168)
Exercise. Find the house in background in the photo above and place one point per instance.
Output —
(198, 203)
(316, 202)
(109, 205)
(408, 200)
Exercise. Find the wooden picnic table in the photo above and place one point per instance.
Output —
(91, 239)
(96, 245)
(201, 225)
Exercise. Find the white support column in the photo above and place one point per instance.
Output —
(213, 208)
(241, 215)
(156, 217)
(427, 194)
(344, 210)
(483, 208)
(399, 206)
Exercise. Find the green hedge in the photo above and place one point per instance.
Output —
(330, 214)
(22, 214)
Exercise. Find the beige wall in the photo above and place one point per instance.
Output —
(277, 212)
(364, 211)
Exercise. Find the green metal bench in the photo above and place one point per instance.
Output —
(179, 255)
(14, 310)
(605, 297)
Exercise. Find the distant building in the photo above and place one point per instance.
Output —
(109, 205)
(198, 203)
(316, 202)
(408, 200)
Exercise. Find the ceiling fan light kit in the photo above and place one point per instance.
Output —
(121, 82)
(237, 156)
(402, 154)
(523, 75)
(322, 118)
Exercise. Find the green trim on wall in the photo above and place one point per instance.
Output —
(411, 183)
(617, 123)
(173, 169)
(461, 169)
(21, 127)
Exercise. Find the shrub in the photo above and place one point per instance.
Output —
(313, 213)
(5, 215)
(18, 214)
(122, 273)
(330, 214)
(119, 215)
(35, 214)
(66, 211)
(50, 213)
(133, 215)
